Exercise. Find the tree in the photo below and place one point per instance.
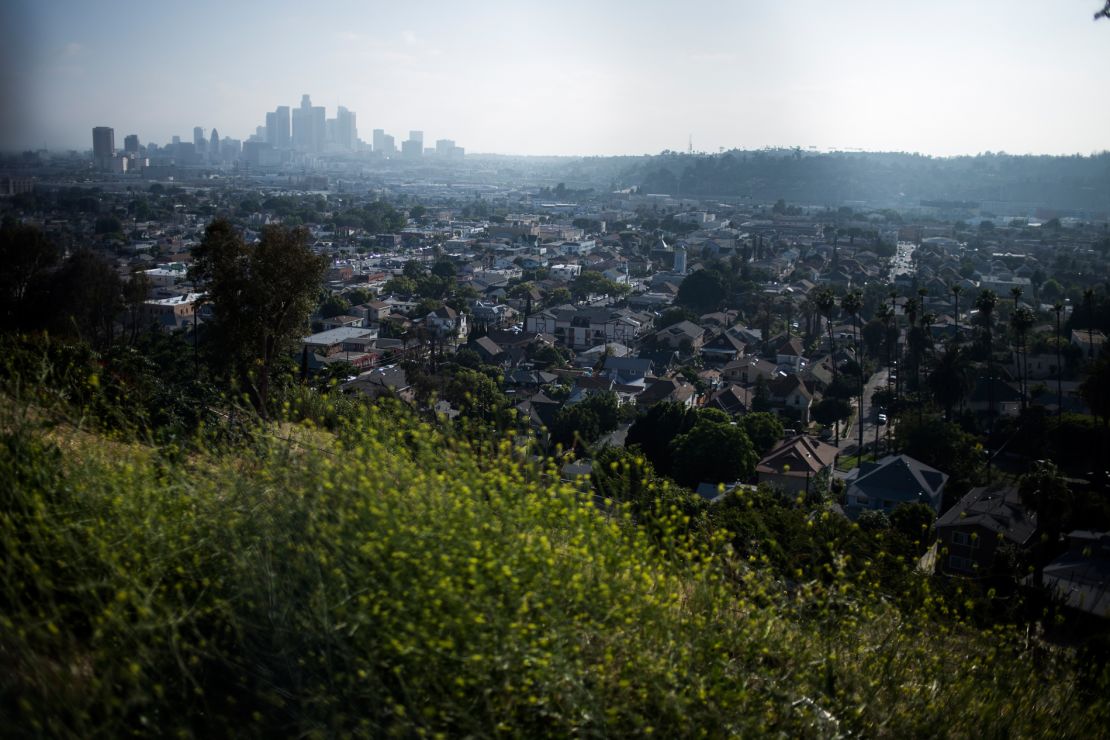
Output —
(764, 429)
(826, 302)
(956, 290)
(261, 298)
(1095, 389)
(334, 305)
(712, 452)
(986, 303)
(1021, 321)
(586, 421)
(27, 257)
(702, 291)
(674, 315)
(951, 379)
(831, 411)
(654, 431)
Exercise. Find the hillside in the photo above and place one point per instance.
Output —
(388, 577)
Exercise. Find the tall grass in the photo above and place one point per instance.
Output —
(384, 577)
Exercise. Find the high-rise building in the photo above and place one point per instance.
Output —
(411, 149)
(346, 133)
(417, 136)
(104, 143)
(131, 143)
(214, 146)
(198, 139)
(378, 141)
(309, 127)
(277, 128)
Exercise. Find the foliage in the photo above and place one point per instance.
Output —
(586, 421)
(713, 451)
(261, 297)
(656, 428)
(764, 429)
(703, 291)
(830, 410)
(390, 578)
(334, 305)
(946, 447)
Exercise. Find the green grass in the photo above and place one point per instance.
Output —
(389, 578)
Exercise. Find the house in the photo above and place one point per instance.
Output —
(972, 530)
(893, 480)
(389, 380)
(627, 370)
(447, 323)
(790, 392)
(685, 335)
(1006, 400)
(789, 352)
(1089, 342)
(734, 400)
(723, 348)
(489, 350)
(667, 389)
(1080, 578)
(747, 369)
(794, 465)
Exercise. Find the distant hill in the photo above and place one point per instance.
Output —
(1075, 184)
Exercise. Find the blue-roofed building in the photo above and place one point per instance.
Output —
(893, 480)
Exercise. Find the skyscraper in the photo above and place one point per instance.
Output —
(131, 143)
(379, 140)
(345, 131)
(308, 126)
(214, 146)
(104, 143)
(198, 139)
(277, 128)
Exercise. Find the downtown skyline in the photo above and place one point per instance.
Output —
(1020, 77)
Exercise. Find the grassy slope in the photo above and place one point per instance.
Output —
(387, 578)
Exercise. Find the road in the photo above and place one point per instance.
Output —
(849, 444)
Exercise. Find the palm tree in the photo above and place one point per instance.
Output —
(1089, 299)
(1021, 321)
(851, 304)
(1058, 307)
(956, 290)
(1015, 293)
(951, 379)
(826, 302)
(986, 303)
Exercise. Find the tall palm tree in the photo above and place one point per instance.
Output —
(1058, 307)
(851, 304)
(1021, 321)
(1089, 299)
(986, 303)
(950, 381)
(826, 302)
(1015, 293)
(956, 290)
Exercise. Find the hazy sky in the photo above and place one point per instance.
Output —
(598, 77)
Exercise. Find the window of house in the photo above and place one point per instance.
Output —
(955, 562)
(964, 538)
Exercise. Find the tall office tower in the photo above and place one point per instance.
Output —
(131, 143)
(214, 146)
(198, 139)
(388, 145)
(176, 140)
(379, 140)
(413, 147)
(277, 128)
(309, 127)
(104, 144)
(346, 134)
(444, 147)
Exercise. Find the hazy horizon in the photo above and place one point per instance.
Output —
(575, 80)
